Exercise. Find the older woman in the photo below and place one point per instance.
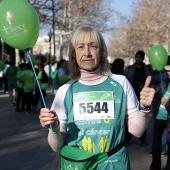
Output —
(93, 108)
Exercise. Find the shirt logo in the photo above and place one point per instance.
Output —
(112, 83)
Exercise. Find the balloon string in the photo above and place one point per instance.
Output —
(162, 83)
(28, 55)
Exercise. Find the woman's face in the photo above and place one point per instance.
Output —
(87, 53)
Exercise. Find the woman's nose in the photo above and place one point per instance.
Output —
(87, 51)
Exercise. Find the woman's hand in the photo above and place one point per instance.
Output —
(48, 117)
(147, 94)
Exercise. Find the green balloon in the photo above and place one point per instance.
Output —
(158, 57)
(44, 86)
(19, 24)
(63, 79)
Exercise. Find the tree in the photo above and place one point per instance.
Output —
(66, 15)
(151, 20)
(148, 26)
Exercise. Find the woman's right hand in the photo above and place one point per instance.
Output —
(48, 117)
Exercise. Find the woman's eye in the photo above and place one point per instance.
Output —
(80, 47)
(94, 46)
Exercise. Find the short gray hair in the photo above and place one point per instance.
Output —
(79, 33)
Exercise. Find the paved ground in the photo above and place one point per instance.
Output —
(23, 142)
(140, 159)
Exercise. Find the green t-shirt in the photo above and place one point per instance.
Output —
(53, 71)
(95, 116)
(43, 80)
(19, 77)
(28, 78)
(40, 77)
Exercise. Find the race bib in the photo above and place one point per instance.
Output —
(93, 105)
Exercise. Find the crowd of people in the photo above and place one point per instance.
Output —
(21, 84)
(137, 74)
(114, 100)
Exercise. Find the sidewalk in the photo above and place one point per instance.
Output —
(24, 146)
(139, 153)
(23, 142)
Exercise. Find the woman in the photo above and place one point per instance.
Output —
(92, 108)
(61, 72)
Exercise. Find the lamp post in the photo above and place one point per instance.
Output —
(49, 56)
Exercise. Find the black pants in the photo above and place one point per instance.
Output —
(158, 128)
(37, 97)
(20, 98)
(28, 100)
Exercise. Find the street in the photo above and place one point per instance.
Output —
(23, 142)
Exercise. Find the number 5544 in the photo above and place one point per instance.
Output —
(91, 107)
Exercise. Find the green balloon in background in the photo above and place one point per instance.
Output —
(19, 24)
(63, 79)
(2, 65)
(44, 86)
(158, 57)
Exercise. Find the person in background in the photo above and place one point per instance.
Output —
(47, 69)
(113, 103)
(54, 70)
(163, 144)
(137, 74)
(10, 74)
(43, 81)
(28, 86)
(20, 102)
(61, 73)
(167, 106)
(53, 74)
(1, 78)
(117, 67)
(163, 140)
(158, 113)
(5, 81)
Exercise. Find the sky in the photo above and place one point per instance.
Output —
(125, 7)
(122, 6)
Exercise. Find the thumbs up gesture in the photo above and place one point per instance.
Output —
(147, 94)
